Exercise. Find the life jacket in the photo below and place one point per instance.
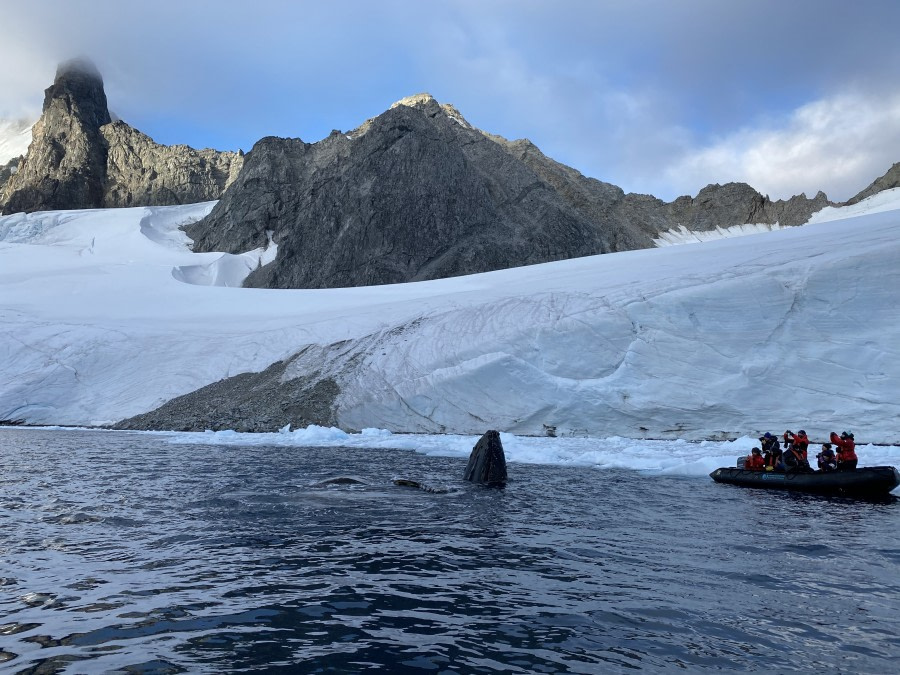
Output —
(846, 448)
(754, 463)
(796, 439)
(795, 458)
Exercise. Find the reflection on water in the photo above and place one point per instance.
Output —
(123, 552)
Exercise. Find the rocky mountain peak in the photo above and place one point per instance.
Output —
(423, 99)
(65, 165)
(430, 105)
(78, 87)
(80, 158)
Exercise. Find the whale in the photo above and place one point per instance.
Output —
(486, 466)
(339, 480)
(345, 481)
(487, 463)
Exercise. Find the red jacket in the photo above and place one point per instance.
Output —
(801, 440)
(846, 448)
(754, 463)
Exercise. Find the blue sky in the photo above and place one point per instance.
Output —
(657, 96)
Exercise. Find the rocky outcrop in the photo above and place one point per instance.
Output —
(140, 172)
(737, 204)
(250, 402)
(889, 180)
(636, 219)
(66, 162)
(418, 193)
(414, 194)
(79, 158)
(7, 170)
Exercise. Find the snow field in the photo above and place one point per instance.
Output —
(789, 328)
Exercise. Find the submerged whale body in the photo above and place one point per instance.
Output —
(487, 463)
(340, 480)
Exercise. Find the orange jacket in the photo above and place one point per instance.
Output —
(846, 448)
(754, 463)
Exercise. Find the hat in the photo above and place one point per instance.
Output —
(755, 451)
(801, 433)
(768, 435)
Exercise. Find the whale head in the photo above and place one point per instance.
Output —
(487, 463)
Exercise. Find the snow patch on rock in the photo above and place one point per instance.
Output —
(15, 137)
(682, 235)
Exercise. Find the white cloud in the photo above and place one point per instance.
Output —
(656, 97)
(838, 144)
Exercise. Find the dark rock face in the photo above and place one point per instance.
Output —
(79, 158)
(487, 463)
(66, 162)
(889, 180)
(417, 193)
(251, 402)
(141, 172)
(737, 204)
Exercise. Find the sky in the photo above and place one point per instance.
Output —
(655, 96)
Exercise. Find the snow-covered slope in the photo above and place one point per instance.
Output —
(796, 327)
(15, 137)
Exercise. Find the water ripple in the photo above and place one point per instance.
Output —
(122, 553)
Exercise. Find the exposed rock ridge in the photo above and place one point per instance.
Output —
(79, 158)
(889, 180)
(141, 172)
(418, 193)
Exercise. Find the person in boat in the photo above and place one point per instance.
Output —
(800, 439)
(827, 459)
(795, 460)
(846, 451)
(769, 443)
(754, 461)
(771, 451)
(772, 457)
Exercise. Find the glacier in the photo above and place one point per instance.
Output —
(15, 137)
(105, 314)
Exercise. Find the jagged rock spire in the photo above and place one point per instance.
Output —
(65, 167)
(79, 158)
(79, 84)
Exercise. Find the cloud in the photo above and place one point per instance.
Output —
(839, 144)
(653, 95)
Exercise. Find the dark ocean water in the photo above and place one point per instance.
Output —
(125, 553)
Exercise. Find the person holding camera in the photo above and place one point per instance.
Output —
(827, 459)
(846, 451)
